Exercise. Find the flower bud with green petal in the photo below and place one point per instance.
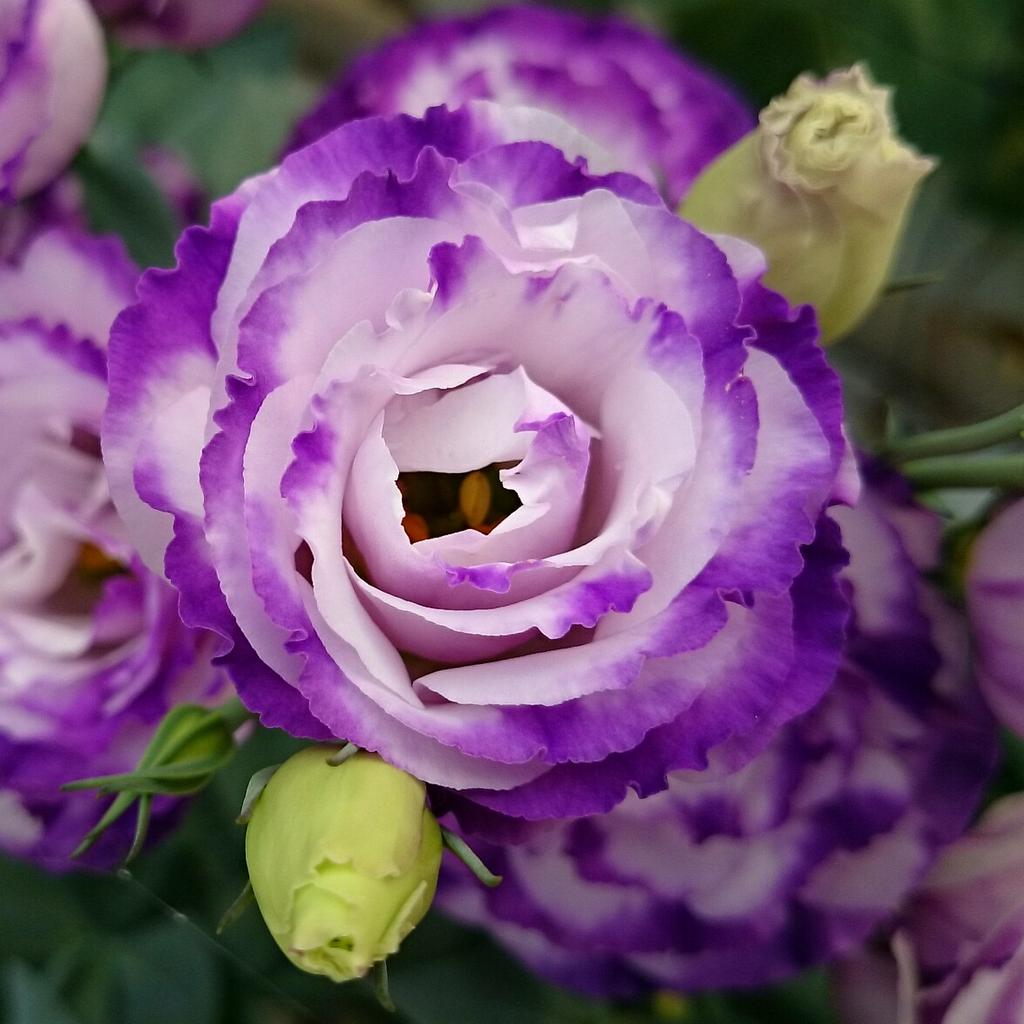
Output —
(822, 186)
(343, 860)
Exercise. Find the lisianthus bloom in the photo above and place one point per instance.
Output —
(739, 879)
(59, 205)
(959, 953)
(53, 67)
(182, 24)
(92, 651)
(480, 458)
(823, 186)
(660, 115)
(343, 860)
(994, 587)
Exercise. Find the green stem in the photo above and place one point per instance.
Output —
(461, 849)
(1006, 427)
(1006, 471)
(339, 758)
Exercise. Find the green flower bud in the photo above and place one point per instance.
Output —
(822, 186)
(343, 860)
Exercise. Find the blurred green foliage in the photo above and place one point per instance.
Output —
(226, 112)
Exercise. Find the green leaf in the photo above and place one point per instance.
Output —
(29, 998)
(473, 981)
(121, 198)
(226, 111)
(167, 978)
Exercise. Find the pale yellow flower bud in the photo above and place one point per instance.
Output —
(822, 186)
(343, 860)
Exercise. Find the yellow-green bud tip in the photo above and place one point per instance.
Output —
(343, 860)
(822, 186)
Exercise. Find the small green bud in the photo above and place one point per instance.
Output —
(343, 860)
(822, 186)
(190, 745)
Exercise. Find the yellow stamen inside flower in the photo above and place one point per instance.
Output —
(95, 565)
(475, 498)
(437, 504)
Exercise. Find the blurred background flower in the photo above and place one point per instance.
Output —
(92, 651)
(52, 73)
(184, 24)
(736, 878)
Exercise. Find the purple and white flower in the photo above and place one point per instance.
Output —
(735, 879)
(477, 456)
(53, 69)
(59, 205)
(660, 115)
(959, 953)
(92, 651)
(183, 24)
(994, 587)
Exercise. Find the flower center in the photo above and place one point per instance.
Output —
(82, 587)
(437, 504)
(95, 566)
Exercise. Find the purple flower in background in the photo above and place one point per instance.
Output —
(478, 457)
(743, 878)
(659, 114)
(183, 24)
(959, 955)
(59, 205)
(994, 588)
(177, 183)
(92, 651)
(53, 68)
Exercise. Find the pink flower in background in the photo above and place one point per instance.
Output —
(53, 68)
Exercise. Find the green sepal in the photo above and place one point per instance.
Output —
(257, 783)
(188, 747)
(114, 811)
(468, 856)
(141, 828)
(381, 988)
(238, 907)
(172, 780)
